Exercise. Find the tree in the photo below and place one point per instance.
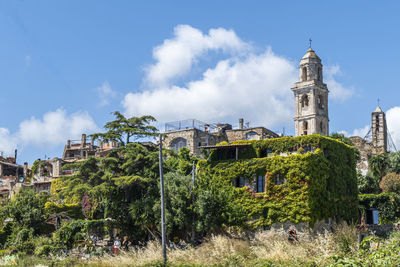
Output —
(378, 165)
(342, 137)
(367, 184)
(394, 162)
(390, 183)
(122, 129)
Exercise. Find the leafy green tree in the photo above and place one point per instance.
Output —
(342, 138)
(367, 184)
(122, 129)
(394, 162)
(378, 165)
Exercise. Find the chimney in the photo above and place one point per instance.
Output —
(241, 123)
(25, 169)
(69, 143)
(15, 156)
(83, 141)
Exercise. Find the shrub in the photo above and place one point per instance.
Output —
(390, 183)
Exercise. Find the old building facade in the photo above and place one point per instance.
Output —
(375, 142)
(311, 97)
(194, 135)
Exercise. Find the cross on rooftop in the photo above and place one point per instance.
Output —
(310, 41)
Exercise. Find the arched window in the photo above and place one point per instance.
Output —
(305, 127)
(178, 143)
(377, 123)
(320, 100)
(252, 136)
(304, 101)
(319, 74)
(304, 74)
(321, 126)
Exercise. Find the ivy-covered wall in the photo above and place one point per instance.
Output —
(318, 176)
(388, 205)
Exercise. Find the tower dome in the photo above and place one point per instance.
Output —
(310, 54)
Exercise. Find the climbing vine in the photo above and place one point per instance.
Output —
(317, 173)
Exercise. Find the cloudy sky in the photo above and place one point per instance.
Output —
(66, 65)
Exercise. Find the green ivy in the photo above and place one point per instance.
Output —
(320, 183)
(388, 205)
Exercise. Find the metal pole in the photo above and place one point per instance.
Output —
(193, 185)
(162, 204)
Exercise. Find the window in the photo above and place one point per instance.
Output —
(279, 180)
(304, 74)
(377, 123)
(238, 182)
(252, 136)
(260, 184)
(305, 127)
(320, 100)
(319, 74)
(321, 126)
(304, 101)
(178, 143)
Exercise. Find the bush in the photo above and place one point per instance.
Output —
(390, 183)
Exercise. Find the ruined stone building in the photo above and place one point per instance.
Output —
(11, 173)
(74, 151)
(375, 142)
(195, 134)
(311, 97)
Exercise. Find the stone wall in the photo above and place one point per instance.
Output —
(245, 134)
(195, 138)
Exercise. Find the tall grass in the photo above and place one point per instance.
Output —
(266, 248)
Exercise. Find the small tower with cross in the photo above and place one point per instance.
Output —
(379, 131)
(311, 97)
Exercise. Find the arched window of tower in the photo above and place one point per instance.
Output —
(305, 127)
(377, 123)
(319, 74)
(320, 100)
(321, 127)
(304, 74)
(304, 101)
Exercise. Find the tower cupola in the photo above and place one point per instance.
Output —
(311, 97)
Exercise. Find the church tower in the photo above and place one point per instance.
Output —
(311, 97)
(379, 131)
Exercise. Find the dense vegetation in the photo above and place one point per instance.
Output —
(314, 185)
(121, 192)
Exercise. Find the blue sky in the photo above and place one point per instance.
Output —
(66, 65)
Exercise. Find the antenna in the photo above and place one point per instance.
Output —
(310, 42)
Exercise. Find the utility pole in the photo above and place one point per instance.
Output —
(164, 248)
(193, 185)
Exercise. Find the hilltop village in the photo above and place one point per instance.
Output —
(218, 176)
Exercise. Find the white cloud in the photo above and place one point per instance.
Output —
(105, 94)
(53, 129)
(176, 56)
(244, 83)
(256, 87)
(336, 89)
(393, 123)
(7, 142)
(361, 132)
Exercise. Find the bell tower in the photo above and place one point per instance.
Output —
(379, 131)
(311, 97)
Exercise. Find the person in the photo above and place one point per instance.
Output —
(126, 243)
(292, 236)
(116, 246)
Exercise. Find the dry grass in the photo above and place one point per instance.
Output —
(268, 246)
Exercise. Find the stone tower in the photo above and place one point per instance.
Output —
(311, 97)
(379, 131)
